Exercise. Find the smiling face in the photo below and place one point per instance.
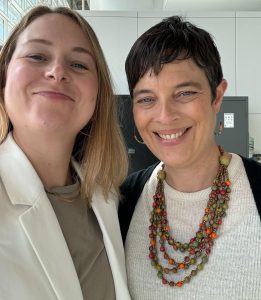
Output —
(51, 82)
(174, 114)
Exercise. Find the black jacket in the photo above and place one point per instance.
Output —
(133, 186)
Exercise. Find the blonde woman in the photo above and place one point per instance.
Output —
(61, 161)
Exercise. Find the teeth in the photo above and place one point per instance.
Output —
(172, 136)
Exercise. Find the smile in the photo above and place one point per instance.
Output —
(172, 136)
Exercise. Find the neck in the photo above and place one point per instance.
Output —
(195, 176)
(50, 157)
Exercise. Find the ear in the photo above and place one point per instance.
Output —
(220, 91)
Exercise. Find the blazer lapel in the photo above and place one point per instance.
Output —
(39, 222)
(45, 236)
(106, 214)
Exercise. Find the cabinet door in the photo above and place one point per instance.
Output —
(248, 65)
(220, 25)
(116, 32)
(233, 116)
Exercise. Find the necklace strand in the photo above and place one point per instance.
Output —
(198, 249)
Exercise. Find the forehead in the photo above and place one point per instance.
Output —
(54, 27)
(177, 70)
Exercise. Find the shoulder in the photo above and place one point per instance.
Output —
(130, 193)
(253, 171)
(135, 182)
(252, 167)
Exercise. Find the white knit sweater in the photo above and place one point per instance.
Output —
(233, 271)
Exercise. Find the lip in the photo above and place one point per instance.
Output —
(171, 136)
(54, 95)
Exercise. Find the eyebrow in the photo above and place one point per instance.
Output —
(178, 86)
(139, 92)
(74, 49)
(189, 83)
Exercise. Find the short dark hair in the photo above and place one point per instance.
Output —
(173, 39)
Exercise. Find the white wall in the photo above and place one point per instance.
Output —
(237, 35)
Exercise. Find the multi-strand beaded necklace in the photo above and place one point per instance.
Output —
(198, 249)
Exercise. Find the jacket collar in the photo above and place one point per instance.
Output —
(14, 161)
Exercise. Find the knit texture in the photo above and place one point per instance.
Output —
(234, 267)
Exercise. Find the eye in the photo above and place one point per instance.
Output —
(186, 93)
(145, 100)
(37, 57)
(79, 66)
(186, 96)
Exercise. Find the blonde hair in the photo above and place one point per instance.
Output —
(99, 146)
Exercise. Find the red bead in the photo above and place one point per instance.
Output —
(172, 283)
(208, 250)
(213, 195)
(192, 251)
(186, 259)
(164, 281)
(219, 221)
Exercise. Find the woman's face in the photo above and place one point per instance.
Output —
(51, 82)
(174, 114)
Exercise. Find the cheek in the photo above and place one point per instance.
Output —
(18, 76)
(138, 117)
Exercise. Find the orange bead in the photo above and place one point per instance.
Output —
(158, 210)
(179, 284)
(208, 231)
(171, 261)
(206, 210)
(166, 228)
(181, 266)
(153, 242)
(213, 235)
(228, 183)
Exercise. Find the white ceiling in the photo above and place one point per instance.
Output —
(176, 5)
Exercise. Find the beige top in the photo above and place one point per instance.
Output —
(85, 242)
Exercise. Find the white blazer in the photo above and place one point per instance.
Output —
(35, 263)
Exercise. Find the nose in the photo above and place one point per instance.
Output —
(167, 111)
(57, 72)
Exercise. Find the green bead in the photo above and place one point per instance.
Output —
(186, 246)
(195, 244)
(160, 275)
(178, 244)
(194, 272)
(200, 267)
(161, 175)
(205, 218)
(204, 259)
(199, 235)
(224, 160)
(159, 268)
